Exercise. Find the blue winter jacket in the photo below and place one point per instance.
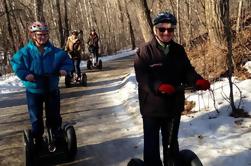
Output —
(29, 60)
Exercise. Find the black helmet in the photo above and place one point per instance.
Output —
(164, 17)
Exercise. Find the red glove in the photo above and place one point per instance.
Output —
(202, 84)
(166, 89)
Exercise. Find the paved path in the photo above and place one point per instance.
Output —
(108, 132)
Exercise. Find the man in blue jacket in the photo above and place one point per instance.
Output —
(39, 64)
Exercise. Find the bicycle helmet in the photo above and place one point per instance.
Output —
(165, 17)
(38, 26)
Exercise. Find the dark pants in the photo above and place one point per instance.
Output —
(169, 128)
(76, 63)
(52, 111)
(94, 50)
(96, 55)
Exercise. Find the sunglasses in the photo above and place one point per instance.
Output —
(161, 29)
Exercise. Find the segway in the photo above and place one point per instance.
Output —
(72, 79)
(186, 157)
(65, 147)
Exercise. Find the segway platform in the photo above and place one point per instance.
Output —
(186, 158)
(71, 81)
(91, 65)
(51, 151)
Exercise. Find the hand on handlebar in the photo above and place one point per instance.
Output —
(202, 84)
(30, 77)
(166, 89)
(62, 72)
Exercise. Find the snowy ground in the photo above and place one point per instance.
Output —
(217, 138)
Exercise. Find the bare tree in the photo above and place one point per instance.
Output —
(66, 23)
(227, 30)
(144, 18)
(214, 22)
(60, 26)
(19, 42)
(178, 21)
(132, 36)
(39, 14)
(189, 36)
(239, 16)
(9, 24)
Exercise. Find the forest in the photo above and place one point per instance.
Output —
(125, 24)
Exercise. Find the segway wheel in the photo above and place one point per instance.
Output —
(89, 64)
(100, 65)
(136, 162)
(71, 142)
(68, 81)
(28, 148)
(189, 158)
(84, 79)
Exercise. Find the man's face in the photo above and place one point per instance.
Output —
(164, 32)
(40, 37)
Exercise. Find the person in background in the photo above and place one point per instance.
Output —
(93, 45)
(73, 47)
(39, 64)
(162, 69)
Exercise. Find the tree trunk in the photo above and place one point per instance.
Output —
(60, 26)
(19, 38)
(66, 23)
(239, 16)
(214, 22)
(144, 18)
(88, 18)
(122, 34)
(227, 30)
(178, 22)
(132, 37)
(189, 38)
(39, 14)
(12, 41)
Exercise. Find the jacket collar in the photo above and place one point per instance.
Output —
(47, 47)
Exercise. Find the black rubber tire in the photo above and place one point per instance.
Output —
(135, 162)
(29, 158)
(189, 158)
(68, 81)
(89, 64)
(71, 142)
(84, 79)
(100, 64)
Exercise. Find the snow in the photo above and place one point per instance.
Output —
(217, 138)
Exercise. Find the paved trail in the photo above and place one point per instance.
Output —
(108, 133)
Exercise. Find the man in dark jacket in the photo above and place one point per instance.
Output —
(162, 68)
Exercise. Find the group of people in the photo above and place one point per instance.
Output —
(162, 70)
(74, 47)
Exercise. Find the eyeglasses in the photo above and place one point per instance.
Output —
(41, 34)
(161, 29)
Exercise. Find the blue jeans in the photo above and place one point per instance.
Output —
(52, 111)
(169, 128)
(76, 69)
